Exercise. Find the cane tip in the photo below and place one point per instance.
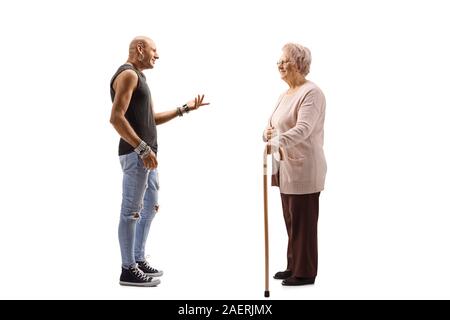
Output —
(267, 293)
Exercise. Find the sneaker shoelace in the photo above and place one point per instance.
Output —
(147, 266)
(138, 273)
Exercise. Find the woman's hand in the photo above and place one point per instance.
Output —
(270, 133)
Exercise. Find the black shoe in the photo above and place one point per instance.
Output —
(137, 278)
(282, 275)
(148, 270)
(294, 281)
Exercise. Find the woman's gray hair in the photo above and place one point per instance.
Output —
(300, 55)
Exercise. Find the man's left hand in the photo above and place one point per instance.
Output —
(197, 102)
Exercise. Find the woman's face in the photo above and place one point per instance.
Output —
(286, 67)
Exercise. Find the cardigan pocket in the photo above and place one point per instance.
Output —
(295, 154)
(292, 170)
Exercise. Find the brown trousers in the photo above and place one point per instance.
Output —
(301, 213)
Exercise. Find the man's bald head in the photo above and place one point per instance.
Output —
(142, 52)
(140, 41)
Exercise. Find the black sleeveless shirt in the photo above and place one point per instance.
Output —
(139, 113)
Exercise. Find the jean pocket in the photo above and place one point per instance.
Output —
(129, 161)
(123, 161)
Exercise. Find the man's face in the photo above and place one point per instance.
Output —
(150, 55)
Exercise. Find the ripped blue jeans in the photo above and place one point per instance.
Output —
(139, 205)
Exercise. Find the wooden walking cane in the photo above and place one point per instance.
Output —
(266, 221)
(266, 227)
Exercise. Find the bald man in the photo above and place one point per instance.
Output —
(134, 119)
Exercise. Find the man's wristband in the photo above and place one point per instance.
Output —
(145, 153)
(141, 147)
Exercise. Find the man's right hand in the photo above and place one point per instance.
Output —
(150, 161)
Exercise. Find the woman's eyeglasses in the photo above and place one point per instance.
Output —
(282, 62)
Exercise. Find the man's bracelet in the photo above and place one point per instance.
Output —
(186, 108)
(146, 152)
(179, 112)
(141, 147)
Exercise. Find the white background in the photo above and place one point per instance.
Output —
(384, 217)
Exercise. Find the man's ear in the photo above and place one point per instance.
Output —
(140, 47)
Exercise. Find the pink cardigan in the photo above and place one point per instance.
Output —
(299, 118)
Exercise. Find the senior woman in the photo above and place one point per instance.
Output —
(295, 133)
